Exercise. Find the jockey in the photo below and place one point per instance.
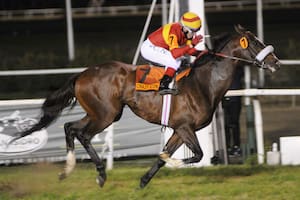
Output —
(168, 45)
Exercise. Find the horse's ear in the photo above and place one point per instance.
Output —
(238, 28)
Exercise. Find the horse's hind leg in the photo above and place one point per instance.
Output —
(71, 130)
(84, 138)
(83, 130)
(172, 145)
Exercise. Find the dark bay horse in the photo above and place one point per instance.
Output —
(104, 90)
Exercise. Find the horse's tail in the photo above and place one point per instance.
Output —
(53, 106)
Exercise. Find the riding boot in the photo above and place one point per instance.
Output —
(164, 85)
(164, 82)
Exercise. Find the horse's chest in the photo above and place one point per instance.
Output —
(193, 110)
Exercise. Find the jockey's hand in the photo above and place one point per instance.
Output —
(197, 39)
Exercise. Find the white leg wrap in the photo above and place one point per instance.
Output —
(70, 162)
(176, 163)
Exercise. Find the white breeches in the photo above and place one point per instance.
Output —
(159, 55)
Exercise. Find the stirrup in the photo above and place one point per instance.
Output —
(168, 91)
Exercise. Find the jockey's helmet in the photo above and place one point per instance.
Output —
(191, 21)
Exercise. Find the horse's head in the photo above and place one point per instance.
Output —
(255, 50)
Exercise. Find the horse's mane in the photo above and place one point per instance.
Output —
(219, 43)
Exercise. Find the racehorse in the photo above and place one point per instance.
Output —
(105, 89)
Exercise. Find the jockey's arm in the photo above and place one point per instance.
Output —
(196, 40)
(187, 49)
(178, 52)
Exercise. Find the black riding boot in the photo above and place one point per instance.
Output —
(164, 85)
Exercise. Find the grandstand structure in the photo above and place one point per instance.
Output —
(97, 10)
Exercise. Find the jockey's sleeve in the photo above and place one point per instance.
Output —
(192, 51)
(178, 52)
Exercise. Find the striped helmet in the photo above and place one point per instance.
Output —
(191, 21)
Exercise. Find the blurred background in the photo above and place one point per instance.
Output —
(34, 36)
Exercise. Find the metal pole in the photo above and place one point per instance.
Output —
(260, 34)
(247, 77)
(249, 115)
(110, 143)
(137, 52)
(177, 11)
(259, 131)
(70, 35)
(164, 12)
(171, 11)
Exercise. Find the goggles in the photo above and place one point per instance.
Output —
(190, 30)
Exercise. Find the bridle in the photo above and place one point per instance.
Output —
(258, 60)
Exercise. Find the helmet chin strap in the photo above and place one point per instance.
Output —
(188, 37)
(185, 33)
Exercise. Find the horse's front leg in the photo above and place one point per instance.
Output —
(172, 145)
(189, 138)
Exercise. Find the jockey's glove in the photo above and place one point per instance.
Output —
(197, 39)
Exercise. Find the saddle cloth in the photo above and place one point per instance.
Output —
(148, 77)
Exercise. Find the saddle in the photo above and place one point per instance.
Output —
(148, 77)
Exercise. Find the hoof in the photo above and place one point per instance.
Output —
(143, 184)
(215, 160)
(62, 176)
(100, 180)
(144, 181)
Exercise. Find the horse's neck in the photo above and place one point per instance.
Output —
(222, 73)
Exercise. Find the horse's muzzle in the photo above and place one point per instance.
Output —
(272, 67)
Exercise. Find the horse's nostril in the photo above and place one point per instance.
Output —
(278, 63)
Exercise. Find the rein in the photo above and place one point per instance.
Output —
(235, 58)
(259, 59)
(226, 56)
